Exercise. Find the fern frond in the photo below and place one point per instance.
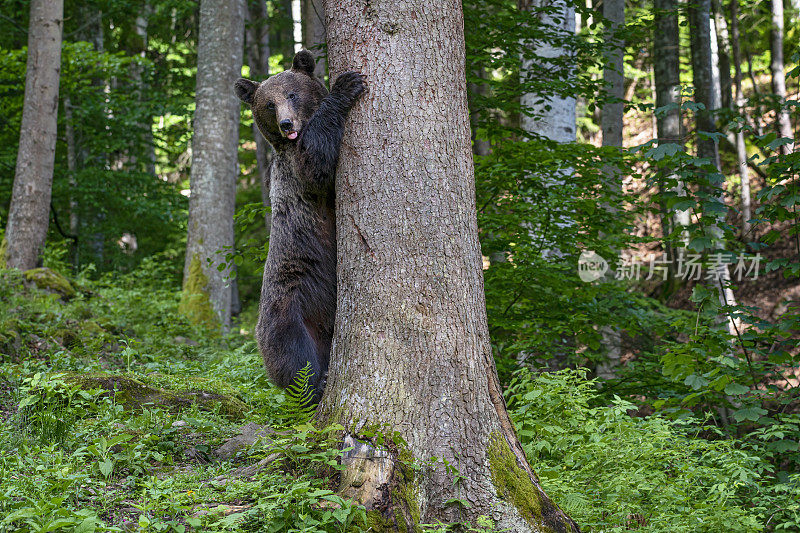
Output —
(299, 406)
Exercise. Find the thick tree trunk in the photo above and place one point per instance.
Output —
(207, 291)
(29, 213)
(784, 124)
(258, 52)
(741, 151)
(411, 350)
(313, 19)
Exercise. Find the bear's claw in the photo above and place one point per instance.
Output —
(350, 84)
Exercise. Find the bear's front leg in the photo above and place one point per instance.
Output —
(321, 139)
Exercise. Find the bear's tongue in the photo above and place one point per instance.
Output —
(292, 135)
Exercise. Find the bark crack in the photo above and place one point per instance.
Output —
(361, 237)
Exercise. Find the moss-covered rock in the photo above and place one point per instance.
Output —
(138, 392)
(195, 304)
(50, 280)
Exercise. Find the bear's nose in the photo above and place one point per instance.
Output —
(286, 125)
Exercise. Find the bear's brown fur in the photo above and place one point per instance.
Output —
(304, 123)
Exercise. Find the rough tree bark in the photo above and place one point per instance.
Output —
(411, 349)
(313, 19)
(206, 290)
(258, 52)
(741, 150)
(784, 124)
(29, 213)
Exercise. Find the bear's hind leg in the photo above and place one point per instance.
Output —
(287, 347)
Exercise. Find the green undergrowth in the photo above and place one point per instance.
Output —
(612, 470)
(112, 405)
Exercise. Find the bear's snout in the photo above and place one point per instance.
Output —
(286, 125)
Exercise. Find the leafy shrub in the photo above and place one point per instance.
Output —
(612, 470)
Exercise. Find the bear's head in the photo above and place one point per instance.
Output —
(283, 104)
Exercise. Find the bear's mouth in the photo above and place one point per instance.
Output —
(291, 135)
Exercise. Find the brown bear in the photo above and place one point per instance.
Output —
(304, 123)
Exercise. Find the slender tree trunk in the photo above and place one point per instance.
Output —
(29, 213)
(551, 116)
(207, 290)
(699, 15)
(758, 112)
(611, 124)
(411, 350)
(72, 166)
(140, 26)
(314, 34)
(258, 52)
(741, 151)
(723, 51)
(666, 73)
(784, 124)
(480, 147)
(554, 117)
(284, 41)
(613, 75)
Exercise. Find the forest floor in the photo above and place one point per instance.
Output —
(118, 415)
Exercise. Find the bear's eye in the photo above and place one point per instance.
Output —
(292, 97)
(270, 105)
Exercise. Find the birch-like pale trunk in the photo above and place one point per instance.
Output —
(776, 66)
(29, 212)
(723, 55)
(214, 161)
(553, 118)
(741, 150)
(411, 351)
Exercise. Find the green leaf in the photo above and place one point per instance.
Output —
(734, 389)
(751, 413)
(106, 467)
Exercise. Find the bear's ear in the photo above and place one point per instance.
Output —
(304, 62)
(245, 90)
